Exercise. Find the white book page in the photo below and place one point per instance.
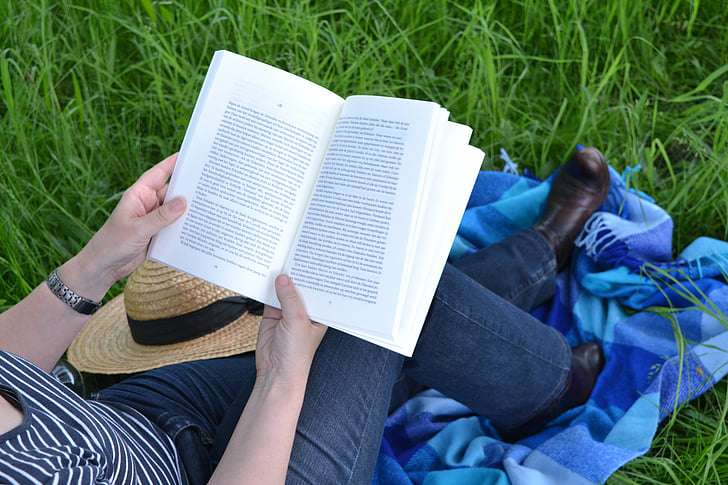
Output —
(246, 168)
(453, 175)
(438, 219)
(348, 260)
(444, 212)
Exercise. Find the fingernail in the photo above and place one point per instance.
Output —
(177, 204)
(579, 147)
(283, 280)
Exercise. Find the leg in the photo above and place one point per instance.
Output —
(483, 351)
(341, 424)
(342, 419)
(473, 330)
(520, 269)
(188, 401)
(338, 434)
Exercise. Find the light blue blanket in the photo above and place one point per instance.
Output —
(622, 281)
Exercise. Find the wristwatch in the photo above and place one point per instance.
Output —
(70, 297)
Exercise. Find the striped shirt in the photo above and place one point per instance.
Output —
(66, 439)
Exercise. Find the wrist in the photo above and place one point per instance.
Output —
(290, 384)
(86, 276)
(277, 395)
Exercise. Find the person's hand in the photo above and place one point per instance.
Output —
(121, 244)
(287, 339)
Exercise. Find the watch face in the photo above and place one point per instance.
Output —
(86, 307)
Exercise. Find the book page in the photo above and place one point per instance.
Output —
(247, 166)
(350, 253)
(445, 209)
(451, 180)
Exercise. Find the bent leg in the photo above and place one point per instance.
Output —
(520, 269)
(488, 354)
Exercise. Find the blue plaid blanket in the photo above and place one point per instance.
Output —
(661, 322)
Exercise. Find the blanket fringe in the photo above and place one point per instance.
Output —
(509, 166)
(596, 236)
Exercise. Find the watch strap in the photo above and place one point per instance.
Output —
(70, 297)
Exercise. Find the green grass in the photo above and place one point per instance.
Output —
(91, 93)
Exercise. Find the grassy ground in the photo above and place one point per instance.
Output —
(91, 93)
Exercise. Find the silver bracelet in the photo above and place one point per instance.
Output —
(70, 297)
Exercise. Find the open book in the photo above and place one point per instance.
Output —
(357, 199)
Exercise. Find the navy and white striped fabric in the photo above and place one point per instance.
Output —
(66, 439)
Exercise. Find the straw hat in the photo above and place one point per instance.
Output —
(165, 317)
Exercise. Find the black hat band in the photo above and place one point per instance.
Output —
(192, 325)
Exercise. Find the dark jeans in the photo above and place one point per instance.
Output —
(478, 346)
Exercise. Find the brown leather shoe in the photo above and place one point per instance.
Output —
(577, 191)
(587, 361)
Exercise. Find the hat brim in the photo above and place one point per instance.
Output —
(105, 345)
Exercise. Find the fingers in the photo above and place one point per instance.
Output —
(157, 176)
(163, 216)
(292, 307)
(161, 193)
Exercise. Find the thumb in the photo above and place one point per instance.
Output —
(291, 304)
(163, 216)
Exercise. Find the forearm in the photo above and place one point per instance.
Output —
(260, 447)
(41, 327)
